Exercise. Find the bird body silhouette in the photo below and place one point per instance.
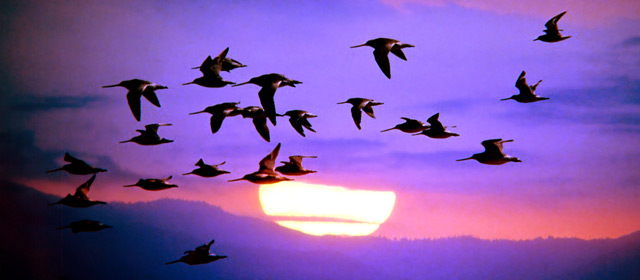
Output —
(259, 118)
(436, 129)
(409, 126)
(85, 226)
(77, 167)
(206, 170)
(293, 167)
(269, 83)
(149, 136)
(266, 173)
(359, 105)
(493, 153)
(80, 199)
(154, 184)
(210, 69)
(382, 47)
(228, 64)
(552, 33)
(200, 255)
(299, 119)
(138, 88)
(526, 93)
(219, 112)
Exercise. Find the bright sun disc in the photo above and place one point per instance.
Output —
(320, 210)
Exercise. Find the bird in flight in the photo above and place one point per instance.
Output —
(299, 119)
(269, 83)
(200, 255)
(77, 167)
(210, 69)
(493, 153)
(266, 173)
(293, 167)
(149, 136)
(138, 88)
(436, 130)
(409, 126)
(552, 33)
(154, 184)
(382, 47)
(359, 105)
(85, 226)
(219, 112)
(206, 170)
(80, 199)
(526, 93)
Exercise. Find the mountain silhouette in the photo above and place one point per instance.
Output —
(147, 235)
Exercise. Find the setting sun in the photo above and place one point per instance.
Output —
(320, 210)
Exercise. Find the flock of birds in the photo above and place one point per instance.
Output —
(267, 172)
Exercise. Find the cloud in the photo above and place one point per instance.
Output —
(33, 104)
(631, 42)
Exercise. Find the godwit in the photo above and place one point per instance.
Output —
(527, 93)
(149, 136)
(436, 130)
(200, 255)
(85, 226)
(269, 83)
(382, 47)
(80, 199)
(77, 167)
(359, 105)
(493, 153)
(259, 119)
(265, 174)
(206, 170)
(139, 88)
(293, 167)
(299, 119)
(552, 33)
(409, 126)
(154, 184)
(228, 64)
(210, 69)
(219, 112)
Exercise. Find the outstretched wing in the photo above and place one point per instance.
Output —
(295, 123)
(435, 123)
(261, 126)
(397, 50)
(382, 58)
(269, 161)
(266, 95)
(83, 190)
(357, 115)
(552, 24)
(133, 98)
(493, 146)
(150, 94)
(70, 159)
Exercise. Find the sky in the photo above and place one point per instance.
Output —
(579, 149)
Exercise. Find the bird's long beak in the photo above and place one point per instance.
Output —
(126, 141)
(235, 180)
(187, 83)
(126, 186)
(463, 159)
(503, 99)
(164, 124)
(195, 67)
(240, 84)
(197, 112)
(343, 102)
(111, 86)
(358, 46)
(387, 129)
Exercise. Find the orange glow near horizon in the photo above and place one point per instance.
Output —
(363, 210)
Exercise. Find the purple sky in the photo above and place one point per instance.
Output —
(579, 149)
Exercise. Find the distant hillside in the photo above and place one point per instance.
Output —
(146, 235)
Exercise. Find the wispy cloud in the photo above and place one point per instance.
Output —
(46, 103)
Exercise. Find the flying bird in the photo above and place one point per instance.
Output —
(77, 167)
(299, 119)
(200, 255)
(436, 130)
(269, 83)
(265, 174)
(293, 167)
(149, 136)
(493, 153)
(228, 64)
(259, 119)
(552, 33)
(206, 170)
(359, 105)
(80, 199)
(138, 88)
(210, 69)
(219, 112)
(85, 226)
(409, 126)
(526, 93)
(154, 184)
(382, 47)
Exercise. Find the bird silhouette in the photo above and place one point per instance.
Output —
(149, 136)
(219, 112)
(154, 184)
(299, 119)
(207, 171)
(200, 255)
(265, 174)
(269, 83)
(210, 69)
(526, 93)
(409, 126)
(359, 105)
(552, 33)
(493, 153)
(436, 130)
(293, 167)
(259, 119)
(138, 88)
(85, 226)
(77, 167)
(382, 47)
(80, 199)
(228, 64)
